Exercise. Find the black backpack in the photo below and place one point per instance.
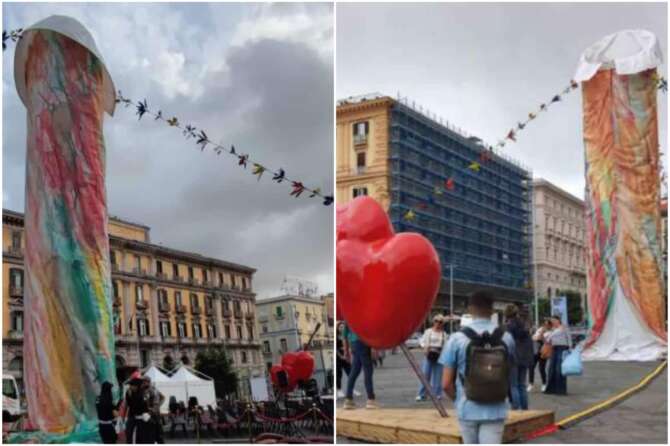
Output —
(486, 378)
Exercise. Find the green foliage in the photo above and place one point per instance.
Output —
(575, 310)
(214, 362)
(168, 363)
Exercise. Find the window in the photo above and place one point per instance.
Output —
(264, 328)
(165, 328)
(16, 278)
(283, 345)
(359, 191)
(115, 287)
(16, 240)
(226, 329)
(360, 132)
(177, 298)
(163, 297)
(209, 303)
(279, 311)
(360, 160)
(138, 263)
(17, 321)
(143, 327)
(112, 257)
(181, 329)
(138, 294)
(266, 346)
(250, 331)
(159, 267)
(221, 279)
(211, 331)
(205, 276)
(244, 283)
(239, 332)
(190, 272)
(244, 357)
(145, 358)
(197, 331)
(175, 271)
(233, 281)
(549, 292)
(194, 300)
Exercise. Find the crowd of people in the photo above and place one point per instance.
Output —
(485, 368)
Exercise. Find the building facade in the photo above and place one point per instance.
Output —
(480, 226)
(286, 324)
(168, 304)
(559, 240)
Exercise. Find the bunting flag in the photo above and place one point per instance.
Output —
(203, 141)
(450, 184)
(13, 35)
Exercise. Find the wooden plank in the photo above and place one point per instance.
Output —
(426, 425)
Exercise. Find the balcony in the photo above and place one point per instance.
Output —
(279, 316)
(16, 291)
(140, 271)
(141, 304)
(249, 315)
(161, 275)
(15, 335)
(209, 311)
(226, 312)
(181, 309)
(164, 307)
(195, 309)
(192, 281)
(168, 339)
(360, 170)
(238, 313)
(115, 268)
(206, 283)
(177, 279)
(201, 341)
(360, 140)
(116, 302)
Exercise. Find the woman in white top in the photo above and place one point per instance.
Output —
(559, 338)
(432, 342)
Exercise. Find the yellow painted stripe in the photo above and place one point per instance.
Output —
(616, 398)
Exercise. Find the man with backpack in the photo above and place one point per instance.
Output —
(476, 373)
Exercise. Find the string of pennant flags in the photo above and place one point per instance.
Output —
(244, 160)
(511, 137)
(203, 141)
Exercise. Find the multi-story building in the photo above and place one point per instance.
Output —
(479, 222)
(168, 304)
(559, 240)
(286, 325)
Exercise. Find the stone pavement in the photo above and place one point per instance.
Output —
(640, 419)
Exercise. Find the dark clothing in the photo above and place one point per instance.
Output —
(362, 358)
(523, 343)
(542, 365)
(107, 433)
(139, 431)
(105, 408)
(557, 383)
(343, 366)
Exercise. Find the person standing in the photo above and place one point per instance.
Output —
(432, 342)
(559, 339)
(523, 357)
(107, 412)
(361, 358)
(539, 361)
(155, 400)
(139, 428)
(480, 398)
(341, 362)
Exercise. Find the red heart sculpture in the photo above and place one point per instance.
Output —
(274, 371)
(386, 282)
(304, 366)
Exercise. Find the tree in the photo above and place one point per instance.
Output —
(168, 363)
(575, 310)
(214, 362)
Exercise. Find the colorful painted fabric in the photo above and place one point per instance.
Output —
(68, 339)
(623, 203)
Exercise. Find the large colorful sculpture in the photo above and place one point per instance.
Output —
(386, 282)
(68, 337)
(626, 288)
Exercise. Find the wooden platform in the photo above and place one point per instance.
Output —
(426, 425)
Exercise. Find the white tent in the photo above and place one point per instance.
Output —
(185, 383)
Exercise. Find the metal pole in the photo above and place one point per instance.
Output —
(412, 361)
(451, 298)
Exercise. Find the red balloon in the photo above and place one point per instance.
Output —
(386, 282)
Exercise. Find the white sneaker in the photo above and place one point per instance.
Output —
(544, 387)
(340, 394)
(357, 393)
(419, 398)
(529, 388)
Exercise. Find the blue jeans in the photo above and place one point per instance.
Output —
(517, 387)
(433, 373)
(482, 432)
(361, 358)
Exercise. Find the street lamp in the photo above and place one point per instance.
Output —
(451, 297)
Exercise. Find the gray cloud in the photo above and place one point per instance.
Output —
(485, 66)
(242, 74)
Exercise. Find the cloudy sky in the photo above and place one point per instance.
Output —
(257, 76)
(483, 67)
